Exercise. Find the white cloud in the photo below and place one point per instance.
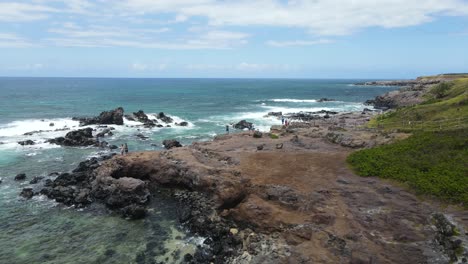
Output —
(8, 40)
(98, 36)
(131, 23)
(320, 17)
(297, 42)
(20, 12)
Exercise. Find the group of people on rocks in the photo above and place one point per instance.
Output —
(284, 121)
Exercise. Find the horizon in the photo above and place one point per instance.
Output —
(266, 39)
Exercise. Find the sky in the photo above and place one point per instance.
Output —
(233, 39)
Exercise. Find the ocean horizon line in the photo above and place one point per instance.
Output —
(199, 78)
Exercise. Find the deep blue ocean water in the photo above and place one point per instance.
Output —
(41, 231)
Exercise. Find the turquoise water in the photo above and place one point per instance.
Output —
(41, 231)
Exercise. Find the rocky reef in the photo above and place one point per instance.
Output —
(112, 117)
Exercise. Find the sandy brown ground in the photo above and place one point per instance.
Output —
(304, 196)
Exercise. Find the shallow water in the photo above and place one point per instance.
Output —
(41, 231)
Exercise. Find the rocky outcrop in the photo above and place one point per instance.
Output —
(143, 118)
(84, 185)
(27, 193)
(277, 114)
(412, 93)
(78, 138)
(171, 143)
(26, 142)
(164, 118)
(347, 140)
(20, 177)
(103, 133)
(243, 125)
(112, 117)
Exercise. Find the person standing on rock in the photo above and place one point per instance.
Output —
(122, 149)
(282, 120)
(227, 129)
(126, 148)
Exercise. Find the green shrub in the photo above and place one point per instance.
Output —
(274, 136)
(432, 163)
(440, 91)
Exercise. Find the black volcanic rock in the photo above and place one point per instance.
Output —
(325, 100)
(164, 118)
(171, 143)
(20, 177)
(26, 142)
(27, 193)
(243, 125)
(112, 117)
(76, 138)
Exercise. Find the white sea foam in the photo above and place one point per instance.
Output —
(17, 128)
(288, 100)
(13, 132)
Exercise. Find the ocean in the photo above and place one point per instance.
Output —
(41, 231)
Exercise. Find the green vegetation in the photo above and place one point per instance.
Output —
(433, 163)
(446, 107)
(274, 136)
(434, 159)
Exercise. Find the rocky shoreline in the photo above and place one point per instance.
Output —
(284, 196)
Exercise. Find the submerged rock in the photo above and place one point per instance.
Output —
(27, 193)
(26, 142)
(36, 179)
(325, 100)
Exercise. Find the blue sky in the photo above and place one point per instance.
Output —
(208, 38)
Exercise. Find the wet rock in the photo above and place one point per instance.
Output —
(36, 179)
(26, 142)
(1, 180)
(171, 143)
(134, 211)
(104, 132)
(27, 193)
(143, 118)
(112, 117)
(51, 124)
(141, 136)
(277, 114)
(243, 125)
(164, 118)
(20, 177)
(279, 146)
(325, 100)
(77, 138)
(260, 147)
(113, 147)
(183, 123)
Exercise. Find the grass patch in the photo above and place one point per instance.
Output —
(446, 107)
(274, 136)
(432, 163)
